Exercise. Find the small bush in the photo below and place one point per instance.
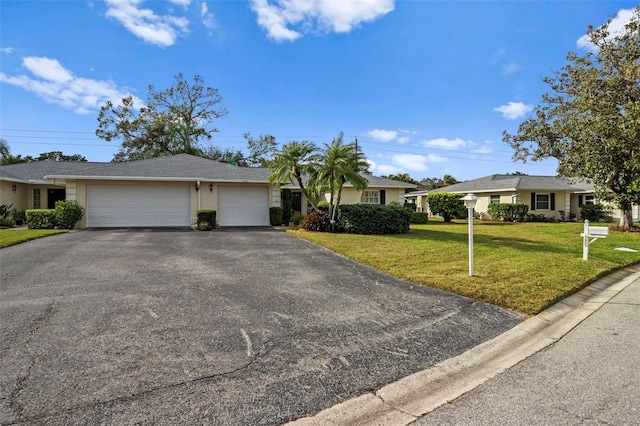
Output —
(449, 206)
(296, 218)
(412, 207)
(6, 222)
(275, 216)
(41, 219)
(374, 219)
(595, 213)
(67, 214)
(18, 216)
(5, 211)
(509, 212)
(532, 217)
(419, 217)
(318, 221)
(324, 206)
(206, 220)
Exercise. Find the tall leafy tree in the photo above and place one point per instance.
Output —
(173, 121)
(261, 149)
(337, 164)
(404, 177)
(5, 151)
(590, 119)
(59, 156)
(290, 163)
(227, 155)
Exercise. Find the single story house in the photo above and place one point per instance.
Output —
(163, 191)
(548, 195)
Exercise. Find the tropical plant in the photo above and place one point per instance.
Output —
(291, 163)
(337, 165)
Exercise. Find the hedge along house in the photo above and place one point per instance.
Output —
(547, 195)
(158, 192)
(379, 190)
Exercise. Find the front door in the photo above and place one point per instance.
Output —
(54, 195)
(296, 202)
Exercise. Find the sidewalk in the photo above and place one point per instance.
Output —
(591, 374)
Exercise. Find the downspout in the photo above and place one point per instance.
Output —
(198, 191)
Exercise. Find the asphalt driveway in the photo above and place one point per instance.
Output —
(231, 327)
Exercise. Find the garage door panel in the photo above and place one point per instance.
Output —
(137, 205)
(243, 206)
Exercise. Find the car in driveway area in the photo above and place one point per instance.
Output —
(251, 326)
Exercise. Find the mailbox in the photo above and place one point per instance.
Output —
(594, 232)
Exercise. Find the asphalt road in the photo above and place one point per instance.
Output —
(230, 327)
(589, 377)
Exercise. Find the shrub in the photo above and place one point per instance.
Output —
(41, 219)
(412, 207)
(286, 206)
(5, 211)
(6, 222)
(18, 216)
(324, 206)
(275, 216)
(318, 220)
(595, 213)
(67, 214)
(206, 220)
(510, 212)
(532, 217)
(447, 205)
(296, 218)
(419, 217)
(374, 219)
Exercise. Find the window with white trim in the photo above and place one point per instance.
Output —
(542, 201)
(370, 197)
(495, 199)
(589, 199)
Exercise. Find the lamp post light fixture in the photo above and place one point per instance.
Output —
(210, 187)
(470, 201)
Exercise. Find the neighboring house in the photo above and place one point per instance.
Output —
(164, 191)
(548, 195)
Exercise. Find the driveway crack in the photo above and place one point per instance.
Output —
(14, 397)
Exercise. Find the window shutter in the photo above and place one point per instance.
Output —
(579, 200)
(533, 201)
(383, 196)
(553, 201)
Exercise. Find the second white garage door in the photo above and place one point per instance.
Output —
(243, 206)
(137, 205)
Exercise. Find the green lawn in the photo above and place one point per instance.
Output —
(9, 237)
(521, 266)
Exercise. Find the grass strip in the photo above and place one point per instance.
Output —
(526, 267)
(10, 237)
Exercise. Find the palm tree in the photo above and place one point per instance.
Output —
(335, 166)
(290, 163)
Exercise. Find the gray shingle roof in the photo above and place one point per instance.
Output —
(37, 170)
(180, 166)
(507, 183)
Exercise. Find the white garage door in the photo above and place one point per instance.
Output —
(137, 205)
(243, 206)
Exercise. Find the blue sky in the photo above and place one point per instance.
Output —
(427, 87)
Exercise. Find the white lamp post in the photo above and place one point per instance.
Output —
(470, 203)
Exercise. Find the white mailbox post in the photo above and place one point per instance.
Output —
(594, 232)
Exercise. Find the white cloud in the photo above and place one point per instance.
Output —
(404, 139)
(145, 24)
(510, 68)
(411, 162)
(59, 86)
(383, 135)
(6, 49)
(319, 15)
(183, 3)
(616, 28)
(444, 143)
(514, 110)
(207, 17)
(484, 149)
(386, 169)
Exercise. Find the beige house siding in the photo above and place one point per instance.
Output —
(352, 196)
(19, 198)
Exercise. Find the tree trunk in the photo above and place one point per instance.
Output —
(626, 219)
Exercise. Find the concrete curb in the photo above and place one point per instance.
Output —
(404, 401)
